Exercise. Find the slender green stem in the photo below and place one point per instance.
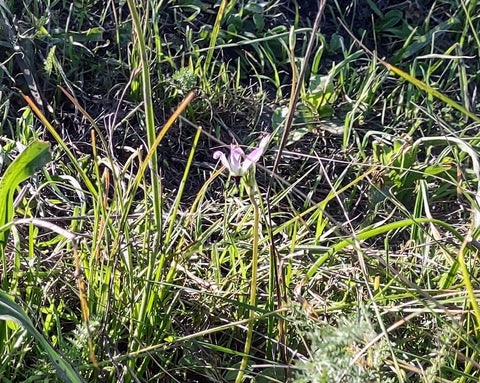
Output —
(173, 215)
(149, 115)
(147, 298)
(214, 35)
(253, 285)
(468, 282)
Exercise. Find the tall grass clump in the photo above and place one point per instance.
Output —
(226, 191)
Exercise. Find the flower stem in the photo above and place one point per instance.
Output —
(251, 188)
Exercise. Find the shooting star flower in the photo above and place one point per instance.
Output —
(239, 163)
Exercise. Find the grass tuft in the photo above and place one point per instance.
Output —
(128, 254)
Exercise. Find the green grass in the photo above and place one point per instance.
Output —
(132, 256)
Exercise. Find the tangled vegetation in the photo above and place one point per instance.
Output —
(239, 191)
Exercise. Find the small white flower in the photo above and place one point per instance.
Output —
(239, 163)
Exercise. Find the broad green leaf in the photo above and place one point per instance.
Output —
(10, 311)
(34, 157)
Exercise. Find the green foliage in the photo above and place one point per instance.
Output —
(10, 311)
(249, 18)
(75, 347)
(400, 158)
(184, 81)
(336, 353)
(320, 94)
(34, 157)
(186, 278)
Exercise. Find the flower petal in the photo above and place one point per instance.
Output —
(255, 154)
(238, 163)
(264, 141)
(250, 160)
(236, 157)
(223, 158)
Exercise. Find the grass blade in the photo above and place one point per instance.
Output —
(10, 311)
(418, 83)
(34, 157)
